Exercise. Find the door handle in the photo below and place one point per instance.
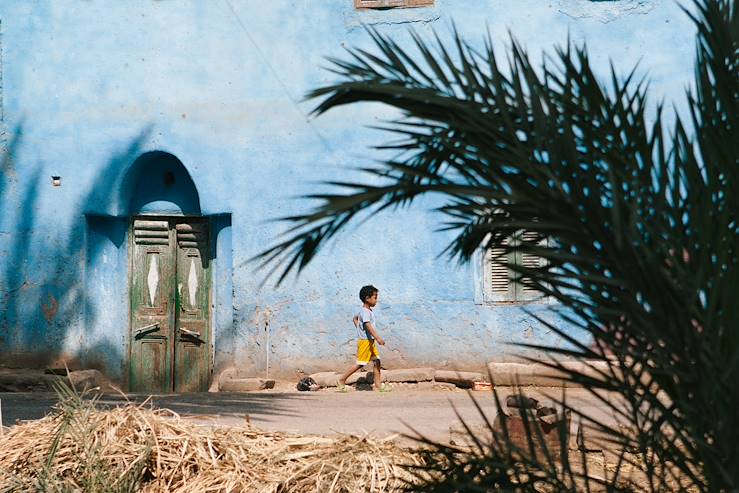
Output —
(146, 329)
(191, 334)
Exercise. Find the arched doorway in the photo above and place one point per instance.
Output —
(170, 259)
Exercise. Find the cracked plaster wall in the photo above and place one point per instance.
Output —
(220, 85)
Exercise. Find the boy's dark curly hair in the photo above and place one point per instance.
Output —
(367, 292)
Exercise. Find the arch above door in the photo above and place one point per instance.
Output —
(158, 183)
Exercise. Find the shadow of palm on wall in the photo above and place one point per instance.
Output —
(46, 312)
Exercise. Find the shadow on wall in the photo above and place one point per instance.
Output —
(64, 287)
(43, 303)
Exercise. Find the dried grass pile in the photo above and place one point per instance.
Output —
(131, 448)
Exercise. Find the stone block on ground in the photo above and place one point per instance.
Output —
(511, 374)
(361, 378)
(89, 379)
(448, 386)
(408, 375)
(326, 378)
(556, 442)
(28, 381)
(521, 402)
(464, 379)
(246, 384)
(33, 380)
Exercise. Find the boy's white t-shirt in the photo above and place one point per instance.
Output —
(365, 315)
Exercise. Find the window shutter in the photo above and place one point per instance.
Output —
(501, 283)
(192, 235)
(151, 232)
(529, 261)
(498, 276)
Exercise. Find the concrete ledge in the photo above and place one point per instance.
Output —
(35, 380)
(245, 384)
(364, 378)
(511, 374)
(409, 375)
(502, 374)
(464, 379)
(326, 378)
(29, 381)
(413, 375)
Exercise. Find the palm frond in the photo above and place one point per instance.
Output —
(641, 221)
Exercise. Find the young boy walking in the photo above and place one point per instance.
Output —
(367, 336)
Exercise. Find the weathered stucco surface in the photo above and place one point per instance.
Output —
(90, 86)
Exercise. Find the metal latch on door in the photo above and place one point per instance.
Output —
(146, 329)
(191, 333)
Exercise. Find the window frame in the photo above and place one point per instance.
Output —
(391, 4)
(516, 293)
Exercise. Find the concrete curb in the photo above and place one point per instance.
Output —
(246, 384)
(535, 374)
(501, 374)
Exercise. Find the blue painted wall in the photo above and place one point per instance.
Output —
(88, 87)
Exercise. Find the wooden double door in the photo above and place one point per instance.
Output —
(170, 286)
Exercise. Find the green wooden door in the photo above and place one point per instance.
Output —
(152, 314)
(170, 305)
(192, 313)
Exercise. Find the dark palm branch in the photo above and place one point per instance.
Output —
(641, 220)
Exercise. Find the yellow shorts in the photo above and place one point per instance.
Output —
(366, 351)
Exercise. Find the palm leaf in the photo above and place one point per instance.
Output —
(642, 222)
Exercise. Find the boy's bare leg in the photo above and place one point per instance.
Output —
(377, 381)
(346, 375)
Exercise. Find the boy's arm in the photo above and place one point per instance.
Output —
(355, 319)
(371, 329)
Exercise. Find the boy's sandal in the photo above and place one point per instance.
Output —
(383, 388)
(341, 388)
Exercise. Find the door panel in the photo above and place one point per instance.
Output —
(152, 321)
(170, 305)
(192, 307)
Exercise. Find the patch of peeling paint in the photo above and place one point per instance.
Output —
(604, 11)
(50, 309)
(394, 17)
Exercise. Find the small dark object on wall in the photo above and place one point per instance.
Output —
(56, 181)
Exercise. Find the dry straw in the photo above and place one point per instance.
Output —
(133, 448)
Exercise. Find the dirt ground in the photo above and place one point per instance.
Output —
(428, 409)
(422, 408)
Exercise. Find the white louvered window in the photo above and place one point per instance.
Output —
(500, 283)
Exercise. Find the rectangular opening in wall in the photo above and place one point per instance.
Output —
(391, 4)
(500, 282)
